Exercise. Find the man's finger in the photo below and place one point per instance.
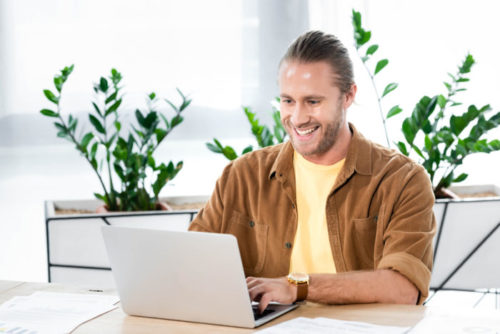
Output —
(255, 291)
(252, 282)
(250, 278)
(264, 301)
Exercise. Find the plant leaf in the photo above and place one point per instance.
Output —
(467, 64)
(389, 88)
(184, 105)
(86, 140)
(172, 105)
(160, 134)
(229, 153)
(460, 178)
(380, 65)
(103, 85)
(428, 143)
(394, 111)
(372, 49)
(49, 113)
(176, 120)
(102, 198)
(93, 151)
(408, 130)
(114, 107)
(418, 151)
(441, 100)
(97, 109)
(97, 124)
(213, 148)
(247, 149)
(448, 86)
(58, 83)
(111, 97)
(50, 96)
(402, 148)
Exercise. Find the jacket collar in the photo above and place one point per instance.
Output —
(358, 159)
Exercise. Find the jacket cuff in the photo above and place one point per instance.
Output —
(410, 267)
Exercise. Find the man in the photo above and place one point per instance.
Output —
(350, 221)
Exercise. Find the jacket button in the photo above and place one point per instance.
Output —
(252, 224)
(288, 245)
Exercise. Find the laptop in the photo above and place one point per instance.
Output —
(187, 276)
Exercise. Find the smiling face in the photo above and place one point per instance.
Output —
(313, 111)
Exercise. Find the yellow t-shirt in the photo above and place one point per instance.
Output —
(311, 251)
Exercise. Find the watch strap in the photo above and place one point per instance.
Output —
(302, 289)
(301, 281)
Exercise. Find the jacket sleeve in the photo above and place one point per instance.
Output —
(210, 218)
(410, 231)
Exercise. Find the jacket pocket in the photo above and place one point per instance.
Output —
(363, 235)
(252, 242)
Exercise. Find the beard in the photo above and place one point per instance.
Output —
(328, 140)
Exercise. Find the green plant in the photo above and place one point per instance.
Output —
(113, 157)
(437, 138)
(361, 38)
(440, 138)
(262, 134)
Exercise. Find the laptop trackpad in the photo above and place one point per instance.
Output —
(257, 315)
(272, 311)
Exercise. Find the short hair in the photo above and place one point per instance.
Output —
(314, 46)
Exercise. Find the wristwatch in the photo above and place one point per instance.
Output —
(302, 282)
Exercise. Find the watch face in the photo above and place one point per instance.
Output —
(299, 277)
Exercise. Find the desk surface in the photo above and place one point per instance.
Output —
(117, 321)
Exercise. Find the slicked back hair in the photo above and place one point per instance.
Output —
(315, 46)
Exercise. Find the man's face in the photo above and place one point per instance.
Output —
(313, 109)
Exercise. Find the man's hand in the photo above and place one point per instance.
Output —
(379, 286)
(265, 290)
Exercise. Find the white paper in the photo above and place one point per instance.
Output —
(452, 321)
(326, 325)
(50, 312)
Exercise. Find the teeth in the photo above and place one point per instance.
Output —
(304, 132)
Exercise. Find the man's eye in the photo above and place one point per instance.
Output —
(313, 101)
(286, 101)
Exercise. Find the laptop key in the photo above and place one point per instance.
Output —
(258, 315)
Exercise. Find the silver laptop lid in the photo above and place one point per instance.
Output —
(190, 276)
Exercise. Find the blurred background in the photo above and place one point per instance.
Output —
(224, 54)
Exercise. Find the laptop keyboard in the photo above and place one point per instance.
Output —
(258, 315)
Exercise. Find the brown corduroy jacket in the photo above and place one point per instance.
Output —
(379, 212)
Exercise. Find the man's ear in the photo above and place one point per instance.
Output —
(349, 96)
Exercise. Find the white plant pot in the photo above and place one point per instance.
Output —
(75, 247)
(467, 242)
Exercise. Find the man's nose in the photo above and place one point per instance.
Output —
(300, 115)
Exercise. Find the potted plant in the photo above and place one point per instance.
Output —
(440, 133)
(122, 158)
